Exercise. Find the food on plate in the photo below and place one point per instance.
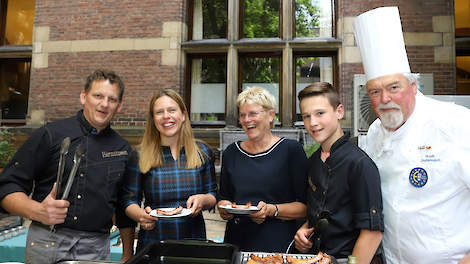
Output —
(171, 212)
(246, 206)
(274, 259)
(320, 258)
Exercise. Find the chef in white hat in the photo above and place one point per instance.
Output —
(421, 148)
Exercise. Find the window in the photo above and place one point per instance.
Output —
(260, 18)
(462, 45)
(209, 19)
(16, 34)
(308, 70)
(208, 82)
(281, 45)
(313, 18)
(262, 71)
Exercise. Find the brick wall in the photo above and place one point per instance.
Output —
(417, 17)
(56, 88)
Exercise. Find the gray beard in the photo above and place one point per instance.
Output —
(391, 120)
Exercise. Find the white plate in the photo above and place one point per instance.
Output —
(183, 213)
(231, 210)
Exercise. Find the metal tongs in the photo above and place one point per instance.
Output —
(64, 149)
(77, 157)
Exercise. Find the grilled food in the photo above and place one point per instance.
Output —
(274, 259)
(172, 212)
(320, 258)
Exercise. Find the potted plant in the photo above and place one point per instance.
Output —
(7, 147)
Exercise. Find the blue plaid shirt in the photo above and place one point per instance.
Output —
(170, 185)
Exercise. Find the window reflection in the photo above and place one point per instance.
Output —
(309, 70)
(313, 18)
(263, 72)
(208, 89)
(209, 19)
(14, 88)
(19, 22)
(261, 18)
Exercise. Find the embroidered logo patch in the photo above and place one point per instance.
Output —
(113, 154)
(418, 177)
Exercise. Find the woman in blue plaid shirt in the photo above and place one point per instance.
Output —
(170, 169)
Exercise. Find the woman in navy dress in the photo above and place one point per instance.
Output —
(267, 171)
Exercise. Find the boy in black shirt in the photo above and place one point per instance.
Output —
(344, 206)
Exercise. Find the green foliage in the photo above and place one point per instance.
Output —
(215, 19)
(260, 70)
(310, 149)
(7, 147)
(306, 18)
(261, 18)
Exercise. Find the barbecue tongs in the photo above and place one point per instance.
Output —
(77, 157)
(64, 149)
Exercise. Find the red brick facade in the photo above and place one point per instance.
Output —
(55, 88)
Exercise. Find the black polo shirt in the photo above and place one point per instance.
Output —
(347, 187)
(94, 193)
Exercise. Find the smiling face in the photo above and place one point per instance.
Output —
(168, 118)
(393, 99)
(255, 120)
(321, 119)
(101, 103)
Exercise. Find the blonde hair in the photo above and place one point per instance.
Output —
(150, 149)
(257, 95)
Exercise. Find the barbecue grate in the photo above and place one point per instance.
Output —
(245, 256)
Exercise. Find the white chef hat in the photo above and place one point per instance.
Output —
(379, 36)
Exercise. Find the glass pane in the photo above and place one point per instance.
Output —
(19, 22)
(309, 70)
(209, 19)
(263, 72)
(208, 81)
(313, 18)
(14, 89)
(261, 18)
(463, 74)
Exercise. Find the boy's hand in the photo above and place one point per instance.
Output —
(302, 242)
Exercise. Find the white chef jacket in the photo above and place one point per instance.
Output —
(428, 222)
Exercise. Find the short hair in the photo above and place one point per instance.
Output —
(321, 88)
(257, 95)
(103, 75)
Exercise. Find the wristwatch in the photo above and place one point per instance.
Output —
(276, 213)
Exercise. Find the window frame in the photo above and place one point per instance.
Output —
(286, 46)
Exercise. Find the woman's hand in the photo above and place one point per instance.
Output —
(195, 203)
(223, 213)
(266, 210)
(145, 220)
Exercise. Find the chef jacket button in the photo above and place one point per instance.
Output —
(47, 245)
(324, 193)
(17, 163)
(318, 238)
(32, 243)
(52, 244)
(79, 197)
(75, 218)
(81, 175)
(237, 221)
(374, 211)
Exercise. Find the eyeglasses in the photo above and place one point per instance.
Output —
(251, 114)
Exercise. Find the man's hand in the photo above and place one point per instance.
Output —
(223, 213)
(52, 211)
(302, 243)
